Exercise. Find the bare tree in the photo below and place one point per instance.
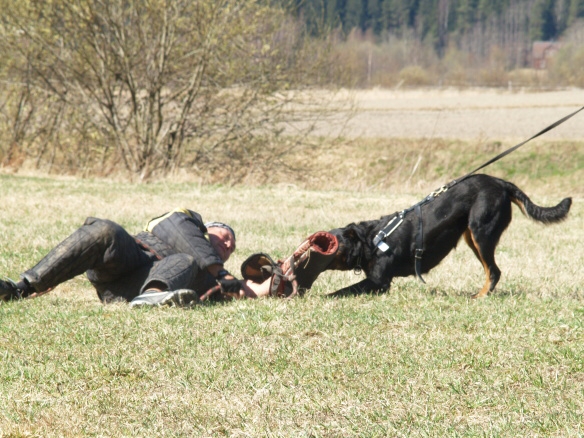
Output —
(159, 85)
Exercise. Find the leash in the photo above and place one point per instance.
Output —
(397, 220)
(517, 146)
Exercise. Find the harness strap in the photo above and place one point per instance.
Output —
(419, 243)
(379, 240)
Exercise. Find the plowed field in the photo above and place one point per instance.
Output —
(464, 114)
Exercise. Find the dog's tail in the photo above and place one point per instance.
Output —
(546, 215)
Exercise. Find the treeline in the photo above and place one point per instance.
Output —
(389, 43)
(465, 24)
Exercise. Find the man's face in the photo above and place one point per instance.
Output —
(222, 241)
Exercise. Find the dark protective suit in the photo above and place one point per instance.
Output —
(173, 251)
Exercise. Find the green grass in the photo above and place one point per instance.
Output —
(422, 360)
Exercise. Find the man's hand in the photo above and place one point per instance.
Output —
(229, 284)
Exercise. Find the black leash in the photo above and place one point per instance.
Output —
(379, 240)
(517, 146)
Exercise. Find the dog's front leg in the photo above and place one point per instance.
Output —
(362, 287)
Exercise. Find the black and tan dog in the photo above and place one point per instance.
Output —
(477, 208)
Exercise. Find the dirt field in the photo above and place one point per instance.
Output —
(496, 115)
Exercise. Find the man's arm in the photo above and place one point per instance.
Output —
(186, 234)
(247, 288)
(250, 289)
(215, 269)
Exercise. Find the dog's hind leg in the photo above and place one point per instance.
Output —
(485, 252)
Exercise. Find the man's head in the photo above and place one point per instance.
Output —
(222, 238)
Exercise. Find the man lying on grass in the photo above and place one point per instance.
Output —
(174, 261)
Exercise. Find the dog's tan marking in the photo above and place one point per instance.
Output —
(470, 240)
(520, 204)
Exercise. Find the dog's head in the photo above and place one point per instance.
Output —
(354, 249)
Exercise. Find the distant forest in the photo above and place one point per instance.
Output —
(469, 25)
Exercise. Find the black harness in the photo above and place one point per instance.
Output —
(397, 220)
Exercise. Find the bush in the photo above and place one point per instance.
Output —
(154, 87)
(567, 67)
(415, 75)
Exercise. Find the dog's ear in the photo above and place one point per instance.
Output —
(350, 233)
(354, 233)
(354, 242)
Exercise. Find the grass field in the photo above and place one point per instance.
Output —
(421, 360)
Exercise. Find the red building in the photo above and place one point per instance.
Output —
(542, 52)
